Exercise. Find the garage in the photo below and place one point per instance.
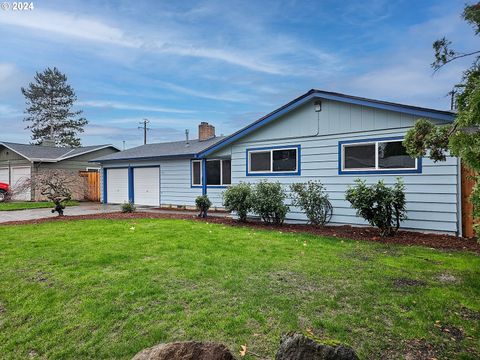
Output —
(20, 176)
(146, 186)
(4, 178)
(117, 186)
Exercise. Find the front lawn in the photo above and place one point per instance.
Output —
(26, 205)
(108, 288)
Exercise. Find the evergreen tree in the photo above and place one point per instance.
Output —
(49, 101)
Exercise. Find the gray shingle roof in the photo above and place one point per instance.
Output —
(167, 149)
(50, 153)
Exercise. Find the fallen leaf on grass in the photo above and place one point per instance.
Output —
(243, 352)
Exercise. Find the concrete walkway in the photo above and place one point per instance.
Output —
(34, 214)
(86, 208)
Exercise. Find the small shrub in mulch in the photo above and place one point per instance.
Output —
(409, 238)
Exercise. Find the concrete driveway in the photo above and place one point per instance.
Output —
(33, 214)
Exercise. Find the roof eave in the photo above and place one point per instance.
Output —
(316, 94)
(146, 158)
(16, 151)
(88, 151)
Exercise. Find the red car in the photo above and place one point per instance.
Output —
(3, 191)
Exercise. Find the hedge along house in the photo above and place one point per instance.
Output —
(326, 136)
(21, 162)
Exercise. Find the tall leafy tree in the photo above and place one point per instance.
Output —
(49, 101)
(462, 138)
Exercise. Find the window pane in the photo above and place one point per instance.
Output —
(227, 172)
(213, 172)
(393, 155)
(260, 161)
(359, 156)
(285, 160)
(196, 173)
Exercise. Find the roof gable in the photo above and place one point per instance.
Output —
(41, 153)
(446, 116)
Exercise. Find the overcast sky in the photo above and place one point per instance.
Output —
(226, 62)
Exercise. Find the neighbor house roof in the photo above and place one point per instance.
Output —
(162, 150)
(441, 115)
(39, 153)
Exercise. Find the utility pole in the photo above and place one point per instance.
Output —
(145, 128)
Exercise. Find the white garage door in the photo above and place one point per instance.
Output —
(117, 186)
(4, 176)
(20, 176)
(146, 185)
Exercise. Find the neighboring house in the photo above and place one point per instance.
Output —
(331, 137)
(20, 162)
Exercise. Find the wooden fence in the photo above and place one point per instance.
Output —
(93, 185)
(467, 208)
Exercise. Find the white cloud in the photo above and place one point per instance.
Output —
(226, 96)
(125, 106)
(69, 25)
(263, 53)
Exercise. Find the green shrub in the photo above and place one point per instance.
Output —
(128, 207)
(313, 200)
(269, 203)
(381, 206)
(203, 203)
(239, 198)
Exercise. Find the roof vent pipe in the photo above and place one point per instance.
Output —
(186, 137)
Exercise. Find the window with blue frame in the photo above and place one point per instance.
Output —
(379, 155)
(273, 161)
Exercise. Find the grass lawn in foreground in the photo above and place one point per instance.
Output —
(26, 205)
(108, 288)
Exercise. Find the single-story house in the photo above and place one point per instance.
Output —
(21, 162)
(321, 135)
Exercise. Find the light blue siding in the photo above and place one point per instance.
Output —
(432, 196)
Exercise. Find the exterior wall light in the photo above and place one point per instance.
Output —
(318, 106)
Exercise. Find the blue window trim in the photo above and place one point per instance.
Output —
(277, 173)
(418, 170)
(203, 168)
(204, 176)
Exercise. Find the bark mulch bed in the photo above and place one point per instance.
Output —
(437, 241)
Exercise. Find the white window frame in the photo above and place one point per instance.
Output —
(271, 171)
(192, 176)
(201, 172)
(376, 168)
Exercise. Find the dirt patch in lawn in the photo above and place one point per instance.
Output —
(402, 283)
(409, 238)
(470, 314)
(446, 278)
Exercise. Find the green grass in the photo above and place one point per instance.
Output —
(26, 205)
(101, 289)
